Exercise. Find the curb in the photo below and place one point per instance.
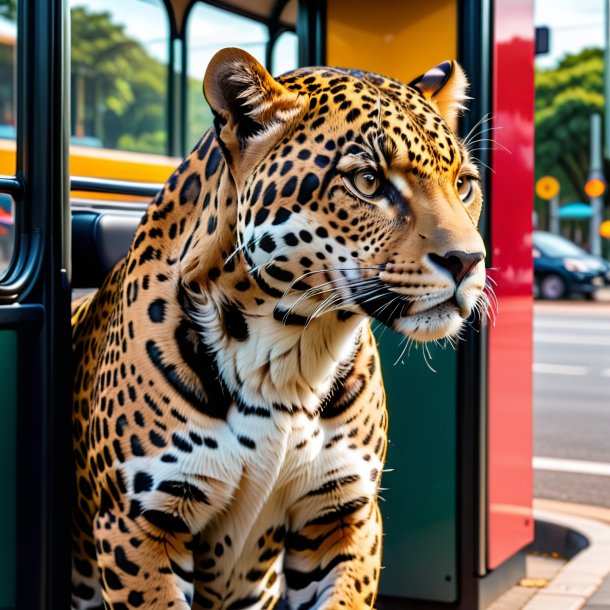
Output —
(582, 576)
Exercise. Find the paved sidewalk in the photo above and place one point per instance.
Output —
(583, 583)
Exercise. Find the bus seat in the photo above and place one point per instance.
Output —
(99, 241)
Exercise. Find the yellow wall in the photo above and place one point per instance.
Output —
(402, 39)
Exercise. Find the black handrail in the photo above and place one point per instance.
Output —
(114, 187)
(12, 186)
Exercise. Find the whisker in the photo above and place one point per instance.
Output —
(408, 344)
(480, 122)
(331, 269)
(318, 290)
(498, 144)
(493, 171)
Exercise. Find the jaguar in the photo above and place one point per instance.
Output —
(229, 418)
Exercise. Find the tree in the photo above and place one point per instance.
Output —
(8, 10)
(119, 90)
(566, 97)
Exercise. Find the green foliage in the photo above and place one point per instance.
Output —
(200, 116)
(124, 88)
(8, 9)
(566, 97)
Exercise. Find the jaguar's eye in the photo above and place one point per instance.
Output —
(364, 183)
(465, 188)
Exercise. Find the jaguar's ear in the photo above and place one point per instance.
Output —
(252, 110)
(445, 86)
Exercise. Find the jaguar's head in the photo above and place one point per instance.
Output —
(355, 194)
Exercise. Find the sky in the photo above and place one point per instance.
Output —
(574, 24)
(209, 30)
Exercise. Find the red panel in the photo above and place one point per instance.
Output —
(510, 341)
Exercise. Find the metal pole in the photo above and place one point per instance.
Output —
(554, 215)
(596, 172)
(607, 78)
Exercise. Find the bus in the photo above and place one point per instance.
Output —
(82, 149)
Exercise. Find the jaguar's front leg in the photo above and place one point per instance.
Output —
(334, 563)
(144, 563)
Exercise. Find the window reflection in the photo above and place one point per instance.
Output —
(8, 38)
(119, 74)
(210, 29)
(7, 231)
(285, 56)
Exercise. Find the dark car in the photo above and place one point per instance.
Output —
(562, 268)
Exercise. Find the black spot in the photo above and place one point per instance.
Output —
(112, 580)
(264, 286)
(317, 123)
(165, 521)
(136, 446)
(142, 482)
(256, 192)
(189, 193)
(281, 216)
(304, 154)
(122, 562)
(200, 360)
(261, 216)
(291, 239)
(322, 161)
(213, 163)
(210, 442)
(290, 186)
(212, 223)
(83, 591)
(182, 489)
(116, 445)
(298, 580)
(308, 185)
(279, 274)
(305, 236)
(234, 322)
(121, 424)
(270, 195)
(156, 310)
(267, 243)
(287, 317)
(254, 575)
(246, 442)
(205, 145)
(181, 443)
(171, 375)
(352, 115)
(135, 598)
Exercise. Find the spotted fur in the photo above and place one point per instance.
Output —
(229, 414)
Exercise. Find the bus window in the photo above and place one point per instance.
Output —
(285, 54)
(7, 232)
(8, 36)
(120, 55)
(210, 29)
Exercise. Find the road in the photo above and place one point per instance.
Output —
(572, 402)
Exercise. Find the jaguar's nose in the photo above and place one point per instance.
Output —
(458, 263)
